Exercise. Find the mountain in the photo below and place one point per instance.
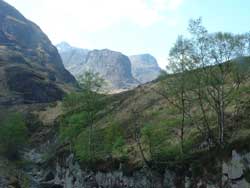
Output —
(146, 111)
(113, 66)
(72, 57)
(31, 69)
(144, 67)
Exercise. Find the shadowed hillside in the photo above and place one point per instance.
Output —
(31, 68)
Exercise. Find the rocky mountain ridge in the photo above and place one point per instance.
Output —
(120, 71)
(30, 66)
(144, 67)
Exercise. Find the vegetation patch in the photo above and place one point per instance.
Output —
(13, 135)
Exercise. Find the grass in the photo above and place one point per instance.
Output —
(158, 118)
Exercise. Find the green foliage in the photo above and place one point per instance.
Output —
(81, 147)
(161, 148)
(208, 70)
(90, 143)
(82, 107)
(163, 145)
(105, 142)
(72, 125)
(72, 101)
(156, 138)
(246, 173)
(114, 139)
(91, 81)
(25, 182)
(13, 135)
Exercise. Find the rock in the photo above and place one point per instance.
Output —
(14, 182)
(50, 176)
(234, 169)
(31, 69)
(72, 57)
(32, 86)
(144, 67)
(68, 173)
(113, 67)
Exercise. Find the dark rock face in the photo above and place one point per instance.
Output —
(144, 67)
(32, 86)
(30, 66)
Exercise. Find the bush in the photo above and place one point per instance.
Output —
(90, 152)
(72, 125)
(105, 143)
(13, 135)
(114, 140)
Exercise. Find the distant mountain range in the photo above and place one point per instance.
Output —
(120, 71)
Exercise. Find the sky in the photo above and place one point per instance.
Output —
(132, 26)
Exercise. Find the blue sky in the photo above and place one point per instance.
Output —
(132, 26)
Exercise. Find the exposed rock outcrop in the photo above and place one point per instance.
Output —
(119, 71)
(144, 67)
(73, 58)
(31, 69)
(113, 66)
(65, 171)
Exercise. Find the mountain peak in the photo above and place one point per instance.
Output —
(145, 67)
(119, 70)
(63, 46)
(144, 58)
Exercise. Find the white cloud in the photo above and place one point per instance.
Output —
(72, 20)
(62, 19)
(162, 5)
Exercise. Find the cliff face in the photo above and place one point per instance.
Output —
(232, 172)
(117, 69)
(65, 171)
(144, 67)
(31, 69)
(114, 67)
(73, 58)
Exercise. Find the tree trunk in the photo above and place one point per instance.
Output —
(182, 121)
(222, 115)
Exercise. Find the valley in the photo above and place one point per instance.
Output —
(80, 118)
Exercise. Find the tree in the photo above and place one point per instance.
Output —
(13, 135)
(217, 74)
(177, 85)
(81, 110)
(138, 136)
(247, 43)
(91, 84)
(71, 126)
(114, 139)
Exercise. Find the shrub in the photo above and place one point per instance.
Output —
(13, 135)
(113, 137)
(86, 151)
(105, 142)
(72, 125)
